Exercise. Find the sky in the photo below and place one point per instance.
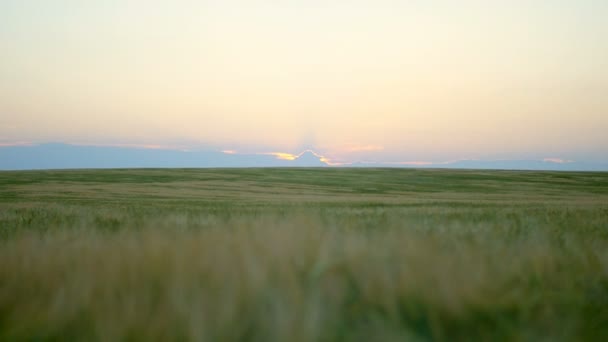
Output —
(380, 81)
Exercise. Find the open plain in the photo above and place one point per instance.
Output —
(285, 254)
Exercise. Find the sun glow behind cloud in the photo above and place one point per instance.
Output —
(290, 157)
(277, 155)
(281, 155)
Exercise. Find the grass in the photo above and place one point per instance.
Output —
(303, 255)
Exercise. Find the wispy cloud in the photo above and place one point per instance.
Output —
(277, 155)
(16, 143)
(557, 160)
(280, 155)
(136, 145)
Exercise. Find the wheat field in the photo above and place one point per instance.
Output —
(303, 255)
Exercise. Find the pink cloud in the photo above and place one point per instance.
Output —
(16, 143)
(557, 160)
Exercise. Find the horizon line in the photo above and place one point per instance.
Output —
(548, 163)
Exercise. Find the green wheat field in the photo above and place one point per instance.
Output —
(331, 254)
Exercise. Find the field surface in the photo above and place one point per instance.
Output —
(303, 255)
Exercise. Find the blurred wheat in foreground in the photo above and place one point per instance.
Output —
(303, 255)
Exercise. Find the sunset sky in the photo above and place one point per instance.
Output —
(377, 80)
